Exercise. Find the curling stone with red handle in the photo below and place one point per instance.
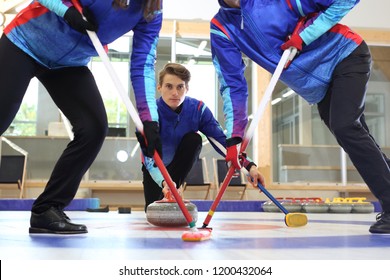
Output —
(167, 213)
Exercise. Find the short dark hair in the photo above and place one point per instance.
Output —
(175, 69)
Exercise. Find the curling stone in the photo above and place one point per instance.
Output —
(339, 205)
(363, 207)
(315, 205)
(291, 205)
(269, 206)
(164, 213)
(340, 208)
(360, 205)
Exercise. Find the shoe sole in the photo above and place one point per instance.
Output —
(47, 231)
(379, 231)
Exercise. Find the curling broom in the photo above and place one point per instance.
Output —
(291, 219)
(194, 234)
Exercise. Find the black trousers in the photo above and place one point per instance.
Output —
(342, 110)
(186, 155)
(74, 91)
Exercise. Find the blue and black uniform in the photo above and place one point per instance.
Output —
(181, 143)
(40, 43)
(258, 29)
(332, 71)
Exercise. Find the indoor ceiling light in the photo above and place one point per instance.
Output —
(288, 93)
(191, 61)
(134, 149)
(185, 49)
(122, 156)
(276, 100)
(200, 48)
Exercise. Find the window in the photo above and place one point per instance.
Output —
(296, 122)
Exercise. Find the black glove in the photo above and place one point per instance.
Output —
(76, 21)
(141, 141)
(152, 135)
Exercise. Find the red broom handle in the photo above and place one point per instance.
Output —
(249, 134)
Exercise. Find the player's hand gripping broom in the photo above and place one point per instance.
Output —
(291, 219)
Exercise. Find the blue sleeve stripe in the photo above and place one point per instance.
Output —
(326, 20)
(219, 33)
(150, 83)
(203, 108)
(228, 106)
(55, 6)
(300, 9)
(154, 172)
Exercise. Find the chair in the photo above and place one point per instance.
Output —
(236, 184)
(198, 179)
(13, 167)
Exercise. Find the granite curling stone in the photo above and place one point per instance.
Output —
(315, 205)
(269, 206)
(169, 214)
(339, 205)
(363, 207)
(289, 204)
(360, 205)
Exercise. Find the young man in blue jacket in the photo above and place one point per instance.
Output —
(331, 70)
(48, 40)
(180, 119)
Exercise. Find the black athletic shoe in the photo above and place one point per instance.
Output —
(55, 221)
(382, 224)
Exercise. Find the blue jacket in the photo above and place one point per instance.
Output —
(194, 116)
(258, 29)
(41, 32)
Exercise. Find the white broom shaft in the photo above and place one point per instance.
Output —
(122, 92)
(264, 101)
(130, 108)
(288, 55)
(110, 69)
